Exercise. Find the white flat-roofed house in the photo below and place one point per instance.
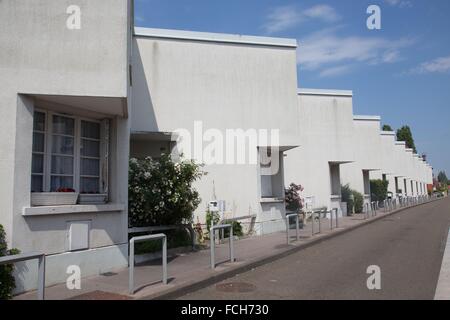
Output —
(205, 83)
(326, 128)
(367, 145)
(64, 110)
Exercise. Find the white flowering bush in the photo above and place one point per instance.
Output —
(160, 191)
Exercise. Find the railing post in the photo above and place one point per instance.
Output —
(331, 219)
(164, 260)
(320, 222)
(133, 241)
(41, 278)
(131, 268)
(212, 231)
(231, 244)
(212, 244)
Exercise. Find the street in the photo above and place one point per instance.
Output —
(408, 247)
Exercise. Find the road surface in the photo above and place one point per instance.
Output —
(408, 247)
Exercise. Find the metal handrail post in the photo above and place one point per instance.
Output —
(41, 268)
(297, 226)
(160, 236)
(212, 242)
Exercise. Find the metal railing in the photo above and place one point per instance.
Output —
(154, 237)
(297, 226)
(213, 247)
(336, 211)
(165, 228)
(41, 268)
(313, 218)
(374, 208)
(367, 210)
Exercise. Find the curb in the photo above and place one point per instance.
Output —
(210, 280)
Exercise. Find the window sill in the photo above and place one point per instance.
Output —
(271, 200)
(71, 209)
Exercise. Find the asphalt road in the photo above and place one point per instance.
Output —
(408, 247)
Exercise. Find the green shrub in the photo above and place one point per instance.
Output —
(160, 191)
(7, 282)
(379, 190)
(357, 201)
(175, 239)
(212, 218)
(237, 229)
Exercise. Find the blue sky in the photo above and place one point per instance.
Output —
(401, 72)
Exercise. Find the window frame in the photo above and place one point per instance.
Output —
(47, 155)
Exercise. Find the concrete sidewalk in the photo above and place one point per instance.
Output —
(187, 272)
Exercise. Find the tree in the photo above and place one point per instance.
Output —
(442, 177)
(404, 134)
(387, 127)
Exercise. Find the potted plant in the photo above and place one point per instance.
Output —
(62, 196)
(293, 200)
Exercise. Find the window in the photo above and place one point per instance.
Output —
(68, 154)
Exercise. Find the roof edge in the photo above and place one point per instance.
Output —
(214, 37)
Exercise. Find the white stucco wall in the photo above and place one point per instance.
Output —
(366, 142)
(226, 82)
(387, 156)
(326, 129)
(83, 72)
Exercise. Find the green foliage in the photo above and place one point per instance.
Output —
(357, 201)
(404, 134)
(211, 218)
(160, 191)
(379, 189)
(175, 239)
(442, 177)
(237, 228)
(7, 282)
(387, 127)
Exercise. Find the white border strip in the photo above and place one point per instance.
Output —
(325, 92)
(443, 286)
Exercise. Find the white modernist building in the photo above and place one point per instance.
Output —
(219, 87)
(82, 91)
(366, 141)
(326, 122)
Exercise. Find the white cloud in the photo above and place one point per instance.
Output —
(325, 49)
(438, 65)
(323, 12)
(286, 17)
(399, 3)
(335, 71)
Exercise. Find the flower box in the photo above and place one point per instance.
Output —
(92, 198)
(53, 198)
